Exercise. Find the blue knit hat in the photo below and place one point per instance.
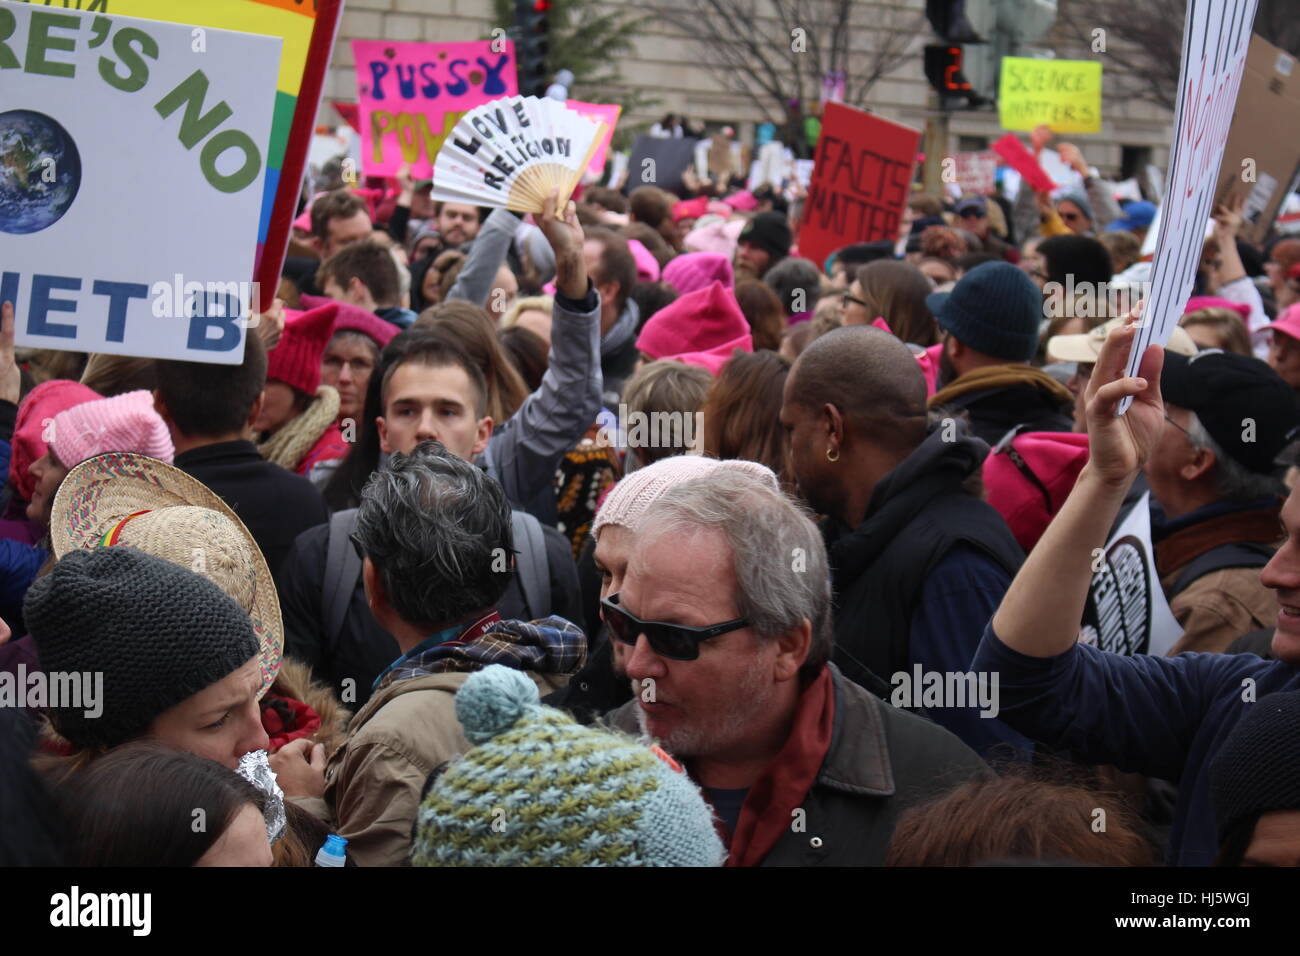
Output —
(995, 309)
(539, 789)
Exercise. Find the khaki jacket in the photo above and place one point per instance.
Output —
(373, 783)
(1219, 607)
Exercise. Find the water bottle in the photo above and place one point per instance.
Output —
(333, 853)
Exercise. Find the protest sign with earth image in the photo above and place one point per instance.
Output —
(40, 171)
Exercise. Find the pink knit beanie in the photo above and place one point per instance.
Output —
(40, 405)
(716, 235)
(696, 270)
(696, 322)
(628, 500)
(296, 359)
(743, 201)
(647, 266)
(124, 422)
(690, 208)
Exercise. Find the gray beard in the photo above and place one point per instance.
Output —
(712, 738)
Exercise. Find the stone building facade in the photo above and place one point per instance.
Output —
(671, 66)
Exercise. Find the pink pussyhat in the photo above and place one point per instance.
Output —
(628, 500)
(647, 266)
(743, 201)
(697, 322)
(692, 271)
(1198, 302)
(37, 409)
(716, 236)
(125, 422)
(1288, 322)
(713, 359)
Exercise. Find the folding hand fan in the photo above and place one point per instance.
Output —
(512, 152)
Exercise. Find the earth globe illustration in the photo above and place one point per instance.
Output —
(40, 171)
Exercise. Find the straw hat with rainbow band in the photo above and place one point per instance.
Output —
(130, 499)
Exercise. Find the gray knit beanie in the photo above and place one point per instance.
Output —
(1079, 198)
(157, 632)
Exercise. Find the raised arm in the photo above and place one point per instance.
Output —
(524, 452)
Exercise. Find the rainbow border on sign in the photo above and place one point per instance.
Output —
(294, 22)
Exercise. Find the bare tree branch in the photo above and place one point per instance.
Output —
(1144, 43)
(758, 59)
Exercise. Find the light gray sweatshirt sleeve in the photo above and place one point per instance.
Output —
(1024, 213)
(524, 452)
(1105, 209)
(474, 281)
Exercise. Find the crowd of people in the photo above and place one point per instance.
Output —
(621, 534)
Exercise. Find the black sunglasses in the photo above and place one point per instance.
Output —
(677, 642)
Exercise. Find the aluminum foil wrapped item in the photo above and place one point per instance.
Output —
(256, 769)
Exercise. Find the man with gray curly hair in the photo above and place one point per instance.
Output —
(434, 534)
(726, 613)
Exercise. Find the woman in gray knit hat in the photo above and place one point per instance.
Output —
(153, 649)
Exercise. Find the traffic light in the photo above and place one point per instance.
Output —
(531, 45)
(943, 63)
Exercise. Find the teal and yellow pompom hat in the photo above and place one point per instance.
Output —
(539, 789)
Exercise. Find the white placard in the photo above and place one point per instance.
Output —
(132, 160)
(1216, 38)
(1127, 611)
(617, 169)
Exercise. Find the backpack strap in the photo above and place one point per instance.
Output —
(531, 565)
(342, 571)
(1235, 554)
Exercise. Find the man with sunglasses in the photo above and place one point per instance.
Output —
(1219, 493)
(725, 615)
(973, 217)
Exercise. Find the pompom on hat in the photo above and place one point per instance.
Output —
(131, 500)
(539, 789)
(628, 500)
(126, 422)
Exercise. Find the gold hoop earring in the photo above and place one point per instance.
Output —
(832, 455)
